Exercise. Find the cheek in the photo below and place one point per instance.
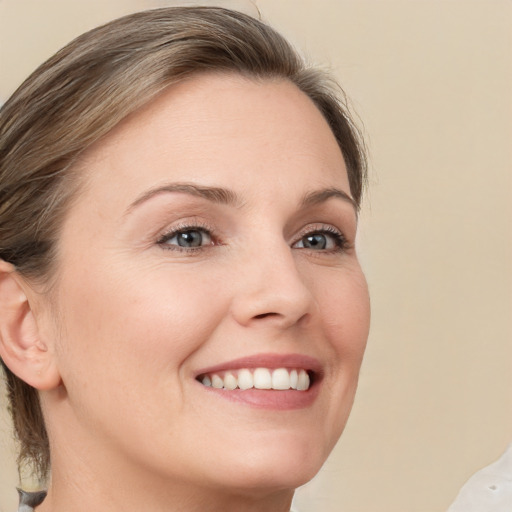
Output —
(345, 308)
(141, 325)
(127, 343)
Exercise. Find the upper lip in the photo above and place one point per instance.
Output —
(268, 360)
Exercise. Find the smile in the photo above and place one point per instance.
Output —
(269, 381)
(279, 379)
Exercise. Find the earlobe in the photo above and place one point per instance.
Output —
(22, 348)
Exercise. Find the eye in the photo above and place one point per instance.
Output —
(315, 241)
(187, 238)
(327, 239)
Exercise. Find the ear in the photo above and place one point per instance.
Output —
(21, 347)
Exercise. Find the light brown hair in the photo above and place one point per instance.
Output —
(86, 89)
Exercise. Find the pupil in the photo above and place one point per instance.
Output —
(190, 239)
(317, 241)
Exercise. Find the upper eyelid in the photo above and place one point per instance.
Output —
(318, 228)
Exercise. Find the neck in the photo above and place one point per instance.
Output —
(64, 498)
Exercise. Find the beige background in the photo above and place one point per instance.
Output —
(432, 81)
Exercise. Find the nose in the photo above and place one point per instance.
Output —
(271, 290)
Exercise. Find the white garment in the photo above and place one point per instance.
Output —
(488, 490)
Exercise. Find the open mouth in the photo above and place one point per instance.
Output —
(279, 379)
(277, 382)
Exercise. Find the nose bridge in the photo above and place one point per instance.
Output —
(271, 287)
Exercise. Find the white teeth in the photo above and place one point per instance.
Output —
(280, 379)
(245, 380)
(259, 378)
(294, 379)
(217, 382)
(262, 378)
(230, 381)
(303, 382)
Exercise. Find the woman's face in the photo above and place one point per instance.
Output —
(213, 239)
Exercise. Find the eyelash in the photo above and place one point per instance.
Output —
(341, 243)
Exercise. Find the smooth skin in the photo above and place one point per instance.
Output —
(158, 277)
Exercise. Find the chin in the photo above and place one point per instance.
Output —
(275, 465)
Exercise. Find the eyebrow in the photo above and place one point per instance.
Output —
(228, 197)
(320, 196)
(213, 194)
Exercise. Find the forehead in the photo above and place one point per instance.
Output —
(217, 127)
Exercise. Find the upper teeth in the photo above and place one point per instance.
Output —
(259, 378)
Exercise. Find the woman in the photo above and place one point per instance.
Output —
(183, 313)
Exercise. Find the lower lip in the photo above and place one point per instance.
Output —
(268, 398)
